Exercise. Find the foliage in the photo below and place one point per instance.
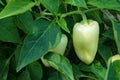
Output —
(30, 28)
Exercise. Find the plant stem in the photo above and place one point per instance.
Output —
(90, 77)
(69, 13)
(89, 10)
(84, 18)
(78, 12)
(45, 13)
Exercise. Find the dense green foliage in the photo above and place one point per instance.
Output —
(29, 29)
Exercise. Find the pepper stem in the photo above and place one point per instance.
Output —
(84, 18)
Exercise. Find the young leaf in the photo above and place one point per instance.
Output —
(54, 7)
(79, 3)
(45, 35)
(60, 63)
(116, 31)
(8, 30)
(15, 7)
(62, 23)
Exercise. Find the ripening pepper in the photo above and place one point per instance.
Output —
(60, 48)
(85, 40)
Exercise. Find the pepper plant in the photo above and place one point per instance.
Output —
(31, 34)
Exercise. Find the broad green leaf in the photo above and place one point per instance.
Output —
(96, 68)
(70, 23)
(23, 21)
(77, 73)
(4, 68)
(15, 7)
(116, 31)
(57, 76)
(45, 35)
(108, 4)
(116, 67)
(35, 71)
(110, 74)
(8, 30)
(113, 70)
(109, 34)
(60, 63)
(24, 75)
(51, 5)
(62, 23)
(95, 15)
(105, 52)
(17, 53)
(79, 3)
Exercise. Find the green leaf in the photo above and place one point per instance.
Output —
(57, 76)
(23, 21)
(116, 66)
(60, 63)
(2, 3)
(8, 30)
(95, 15)
(15, 7)
(53, 7)
(108, 4)
(45, 35)
(116, 31)
(113, 70)
(35, 71)
(24, 75)
(62, 23)
(96, 68)
(4, 68)
(109, 34)
(105, 52)
(17, 53)
(77, 73)
(37, 2)
(78, 3)
(110, 74)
